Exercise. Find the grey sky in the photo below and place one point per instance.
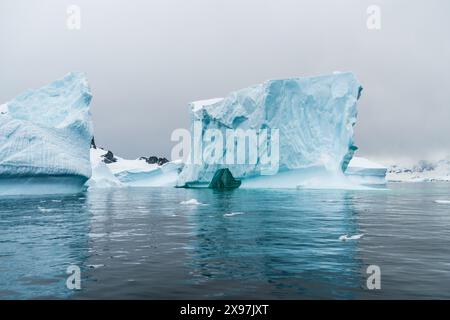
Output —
(146, 60)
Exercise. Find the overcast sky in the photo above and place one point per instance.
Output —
(146, 60)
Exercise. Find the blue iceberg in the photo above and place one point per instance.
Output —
(314, 119)
(45, 137)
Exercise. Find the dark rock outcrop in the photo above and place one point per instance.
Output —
(161, 161)
(109, 157)
(93, 146)
(154, 160)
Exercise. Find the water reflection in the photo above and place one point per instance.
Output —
(280, 245)
(40, 237)
(144, 243)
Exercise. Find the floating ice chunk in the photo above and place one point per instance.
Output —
(354, 237)
(45, 210)
(102, 177)
(231, 214)
(96, 235)
(193, 202)
(442, 201)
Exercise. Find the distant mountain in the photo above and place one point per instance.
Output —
(421, 171)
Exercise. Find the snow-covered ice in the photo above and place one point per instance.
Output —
(346, 237)
(102, 177)
(192, 202)
(131, 173)
(45, 136)
(45, 210)
(442, 201)
(232, 214)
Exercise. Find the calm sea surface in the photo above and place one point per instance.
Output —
(281, 244)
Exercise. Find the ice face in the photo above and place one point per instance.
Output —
(47, 133)
(314, 117)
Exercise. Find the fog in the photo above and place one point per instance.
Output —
(146, 60)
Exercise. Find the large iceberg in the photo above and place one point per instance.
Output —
(313, 118)
(45, 136)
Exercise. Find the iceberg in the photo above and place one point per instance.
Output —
(363, 171)
(45, 136)
(313, 118)
(101, 177)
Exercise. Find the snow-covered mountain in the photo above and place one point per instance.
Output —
(423, 170)
(45, 136)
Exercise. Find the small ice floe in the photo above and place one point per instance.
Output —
(95, 266)
(231, 214)
(345, 237)
(192, 202)
(96, 235)
(45, 210)
(442, 201)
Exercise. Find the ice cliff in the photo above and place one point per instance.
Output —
(314, 117)
(45, 137)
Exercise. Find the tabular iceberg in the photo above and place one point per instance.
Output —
(45, 136)
(314, 117)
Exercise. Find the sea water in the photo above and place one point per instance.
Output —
(153, 243)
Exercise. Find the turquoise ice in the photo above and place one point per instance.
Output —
(315, 118)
